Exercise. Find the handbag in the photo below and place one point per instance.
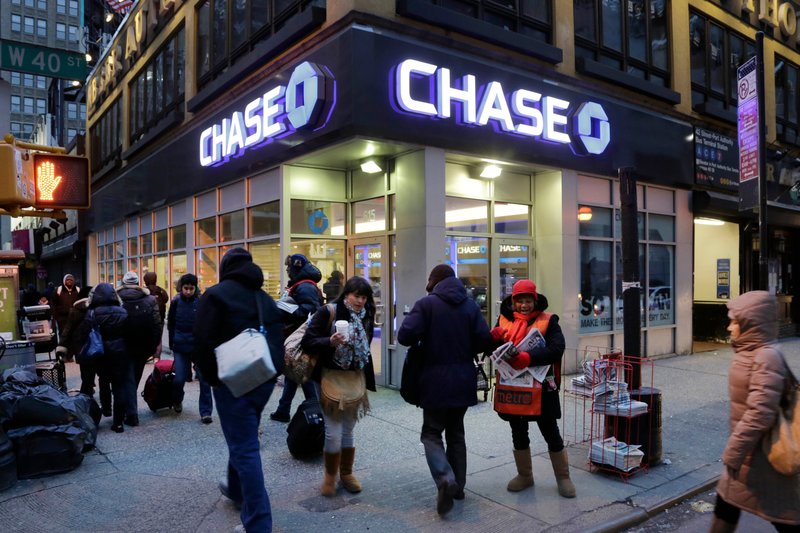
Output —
(342, 390)
(411, 378)
(93, 349)
(781, 444)
(299, 365)
(245, 361)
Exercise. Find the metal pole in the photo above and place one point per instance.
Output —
(763, 233)
(630, 274)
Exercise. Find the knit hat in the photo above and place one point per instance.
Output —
(233, 256)
(524, 286)
(130, 278)
(187, 279)
(439, 273)
(68, 276)
(296, 261)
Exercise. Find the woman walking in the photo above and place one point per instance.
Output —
(756, 382)
(344, 371)
(519, 313)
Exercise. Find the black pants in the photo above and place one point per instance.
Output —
(547, 426)
(88, 373)
(450, 465)
(730, 513)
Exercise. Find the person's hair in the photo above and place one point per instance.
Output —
(360, 287)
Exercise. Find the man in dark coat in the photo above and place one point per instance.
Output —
(452, 330)
(225, 310)
(63, 298)
(143, 331)
(161, 296)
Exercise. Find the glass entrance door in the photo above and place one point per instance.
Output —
(512, 265)
(369, 258)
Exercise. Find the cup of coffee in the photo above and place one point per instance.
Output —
(343, 327)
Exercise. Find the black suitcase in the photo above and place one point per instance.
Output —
(306, 431)
(157, 391)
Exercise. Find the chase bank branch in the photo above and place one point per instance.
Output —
(379, 147)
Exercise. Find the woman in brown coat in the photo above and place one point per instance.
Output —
(755, 384)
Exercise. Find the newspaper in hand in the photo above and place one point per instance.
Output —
(505, 352)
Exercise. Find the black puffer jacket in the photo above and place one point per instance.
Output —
(452, 330)
(551, 354)
(229, 307)
(106, 312)
(144, 325)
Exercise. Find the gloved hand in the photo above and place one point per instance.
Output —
(498, 334)
(520, 361)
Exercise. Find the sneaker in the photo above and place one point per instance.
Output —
(118, 428)
(279, 417)
(206, 419)
(178, 407)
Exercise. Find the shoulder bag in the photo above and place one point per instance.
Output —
(299, 365)
(781, 444)
(93, 348)
(342, 390)
(411, 378)
(245, 361)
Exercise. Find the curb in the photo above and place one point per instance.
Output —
(641, 514)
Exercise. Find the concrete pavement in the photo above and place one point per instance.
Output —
(162, 475)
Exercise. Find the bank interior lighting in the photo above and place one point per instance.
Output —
(585, 213)
(708, 221)
(371, 165)
(491, 172)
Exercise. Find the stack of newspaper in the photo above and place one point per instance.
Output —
(597, 369)
(507, 351)
(625, 457)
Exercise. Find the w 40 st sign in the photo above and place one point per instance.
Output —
(42, 61)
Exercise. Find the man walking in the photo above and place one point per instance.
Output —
(64, 297)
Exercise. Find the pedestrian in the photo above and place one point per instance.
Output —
(452, 330)
(333, 287)
(304, 293)
(143, 330)
(225, 310)
(161, 296)
(343, 359)
(180, 325)
(62, 300)
(105, 312)
(519, 313)
(756, 381)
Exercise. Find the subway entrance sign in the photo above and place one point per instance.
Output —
(42, 61)
(62, 181)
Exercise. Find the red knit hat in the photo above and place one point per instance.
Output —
(524, 286)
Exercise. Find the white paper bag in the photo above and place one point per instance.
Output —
(244, 362)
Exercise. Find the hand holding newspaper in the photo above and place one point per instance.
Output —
(507, 351)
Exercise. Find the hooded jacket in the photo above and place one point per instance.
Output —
(144, 332)
(180, 322)
(106, 312)
(756, 381)
(453, 331)
(550, 354)
(307, 296)
(70, 336)
(229, 307)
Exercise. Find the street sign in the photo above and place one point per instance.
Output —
(748, 127)
(43, 61)
(62, 181)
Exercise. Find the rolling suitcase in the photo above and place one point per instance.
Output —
(306, 431)
(157, 391)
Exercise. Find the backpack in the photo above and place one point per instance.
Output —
(306, 431)
(298, 365)
(139, 327)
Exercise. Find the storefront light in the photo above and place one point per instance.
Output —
(585, 213)
(491, 172)
(708, 221)
(371, 165)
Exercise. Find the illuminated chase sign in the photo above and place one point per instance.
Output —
(424, 89)
(304, 103)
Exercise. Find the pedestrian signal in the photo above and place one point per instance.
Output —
(62, 181)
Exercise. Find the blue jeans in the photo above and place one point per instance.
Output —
(289, 390)
(183, 369)
(240, 418)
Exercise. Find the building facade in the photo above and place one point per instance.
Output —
(383, 138)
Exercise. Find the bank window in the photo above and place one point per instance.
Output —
(206, 267)
(161, 240)
(786, 97)
(369, 215)
(205, 231)
(178, 236)
(327, 255)
(158, 87)
(469, 258)
(317, 218)
(133, 246)
(628, 35)
(231, 226)
(715, 55)
(147, 243)
(267, 255)
(463, 214)
(511, 218)
(600, 271)
(264, 220)
(228, 29)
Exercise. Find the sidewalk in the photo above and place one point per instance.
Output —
(162, 475)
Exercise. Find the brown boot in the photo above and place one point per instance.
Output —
(721, 526)
(349, 481)
(560, 462)
(328, 487)
(524, 477)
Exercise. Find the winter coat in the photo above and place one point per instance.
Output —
(161, 297)
(143, 334)
(755, 385)
(62, 302)
(70, 337)
(452, 330)
(306, 295)
(180, 322)
(228, 308)
(550, 354)
(317, 339)
(106, 312)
